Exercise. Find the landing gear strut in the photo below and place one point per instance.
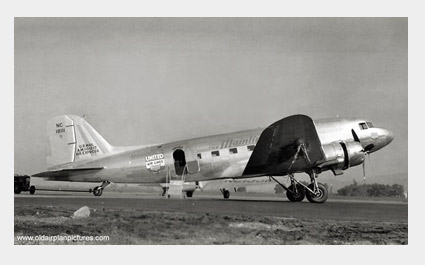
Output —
(296, 191)
(97, 191)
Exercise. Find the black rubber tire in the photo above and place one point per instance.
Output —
(317, 199)
(298, 196)
(226, 194)
(97, 191)
(17, 190)
(32, 190)
(189, 194)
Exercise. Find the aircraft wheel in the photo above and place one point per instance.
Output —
(189, 194)
(17, 190)
(226, 194)
(32, 190)
(322, 195)
(97, 191)
(297, 196)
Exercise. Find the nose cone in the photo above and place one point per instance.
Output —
(384, 137)
(389, 136)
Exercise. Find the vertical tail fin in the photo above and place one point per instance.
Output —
(72, 139)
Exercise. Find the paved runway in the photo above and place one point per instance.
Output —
(239, 205)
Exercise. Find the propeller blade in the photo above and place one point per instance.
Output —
(356, 138)
(364, 166)
(366, 151)
(364, 172)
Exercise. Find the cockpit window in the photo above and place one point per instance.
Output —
(363, 126)
(369, 124)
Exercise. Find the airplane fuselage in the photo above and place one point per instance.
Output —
(207, 158)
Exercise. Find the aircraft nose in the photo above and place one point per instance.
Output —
(385, 137)
(380, 138)
(389, 136)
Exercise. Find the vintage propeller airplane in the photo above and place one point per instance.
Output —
(291, 145)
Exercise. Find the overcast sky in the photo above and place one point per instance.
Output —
(151, 80)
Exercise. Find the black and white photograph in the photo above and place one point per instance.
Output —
(189, 131)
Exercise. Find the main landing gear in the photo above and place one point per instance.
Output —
(315, 192)
(97, 191)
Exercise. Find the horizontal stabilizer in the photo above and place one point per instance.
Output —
(64, 174)
(82, 169)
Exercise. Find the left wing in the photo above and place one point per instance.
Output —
(289, 145)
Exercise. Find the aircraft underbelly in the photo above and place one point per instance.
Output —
(134, 175)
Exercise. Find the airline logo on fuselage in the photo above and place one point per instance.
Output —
(155, 163)
(154, 157)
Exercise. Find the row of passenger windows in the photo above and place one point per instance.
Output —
(231, 151)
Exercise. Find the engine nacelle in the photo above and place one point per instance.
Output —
(342, 155)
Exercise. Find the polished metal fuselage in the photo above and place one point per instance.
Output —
(223, 156)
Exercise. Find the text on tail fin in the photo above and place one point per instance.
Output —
(73, 139)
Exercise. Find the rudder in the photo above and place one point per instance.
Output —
(73, 139)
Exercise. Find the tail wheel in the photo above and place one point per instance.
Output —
(97, 191)
(321, 195)
(295, 193)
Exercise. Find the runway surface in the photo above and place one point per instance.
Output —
(236, 205)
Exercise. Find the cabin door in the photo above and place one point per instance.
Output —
(179, 162)
(185, 161)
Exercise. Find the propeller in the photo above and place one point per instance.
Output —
(364, 166)
(364, 172)
(366, 151)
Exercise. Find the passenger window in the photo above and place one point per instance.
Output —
(233, 150)
(215, 153)
(250, 147)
